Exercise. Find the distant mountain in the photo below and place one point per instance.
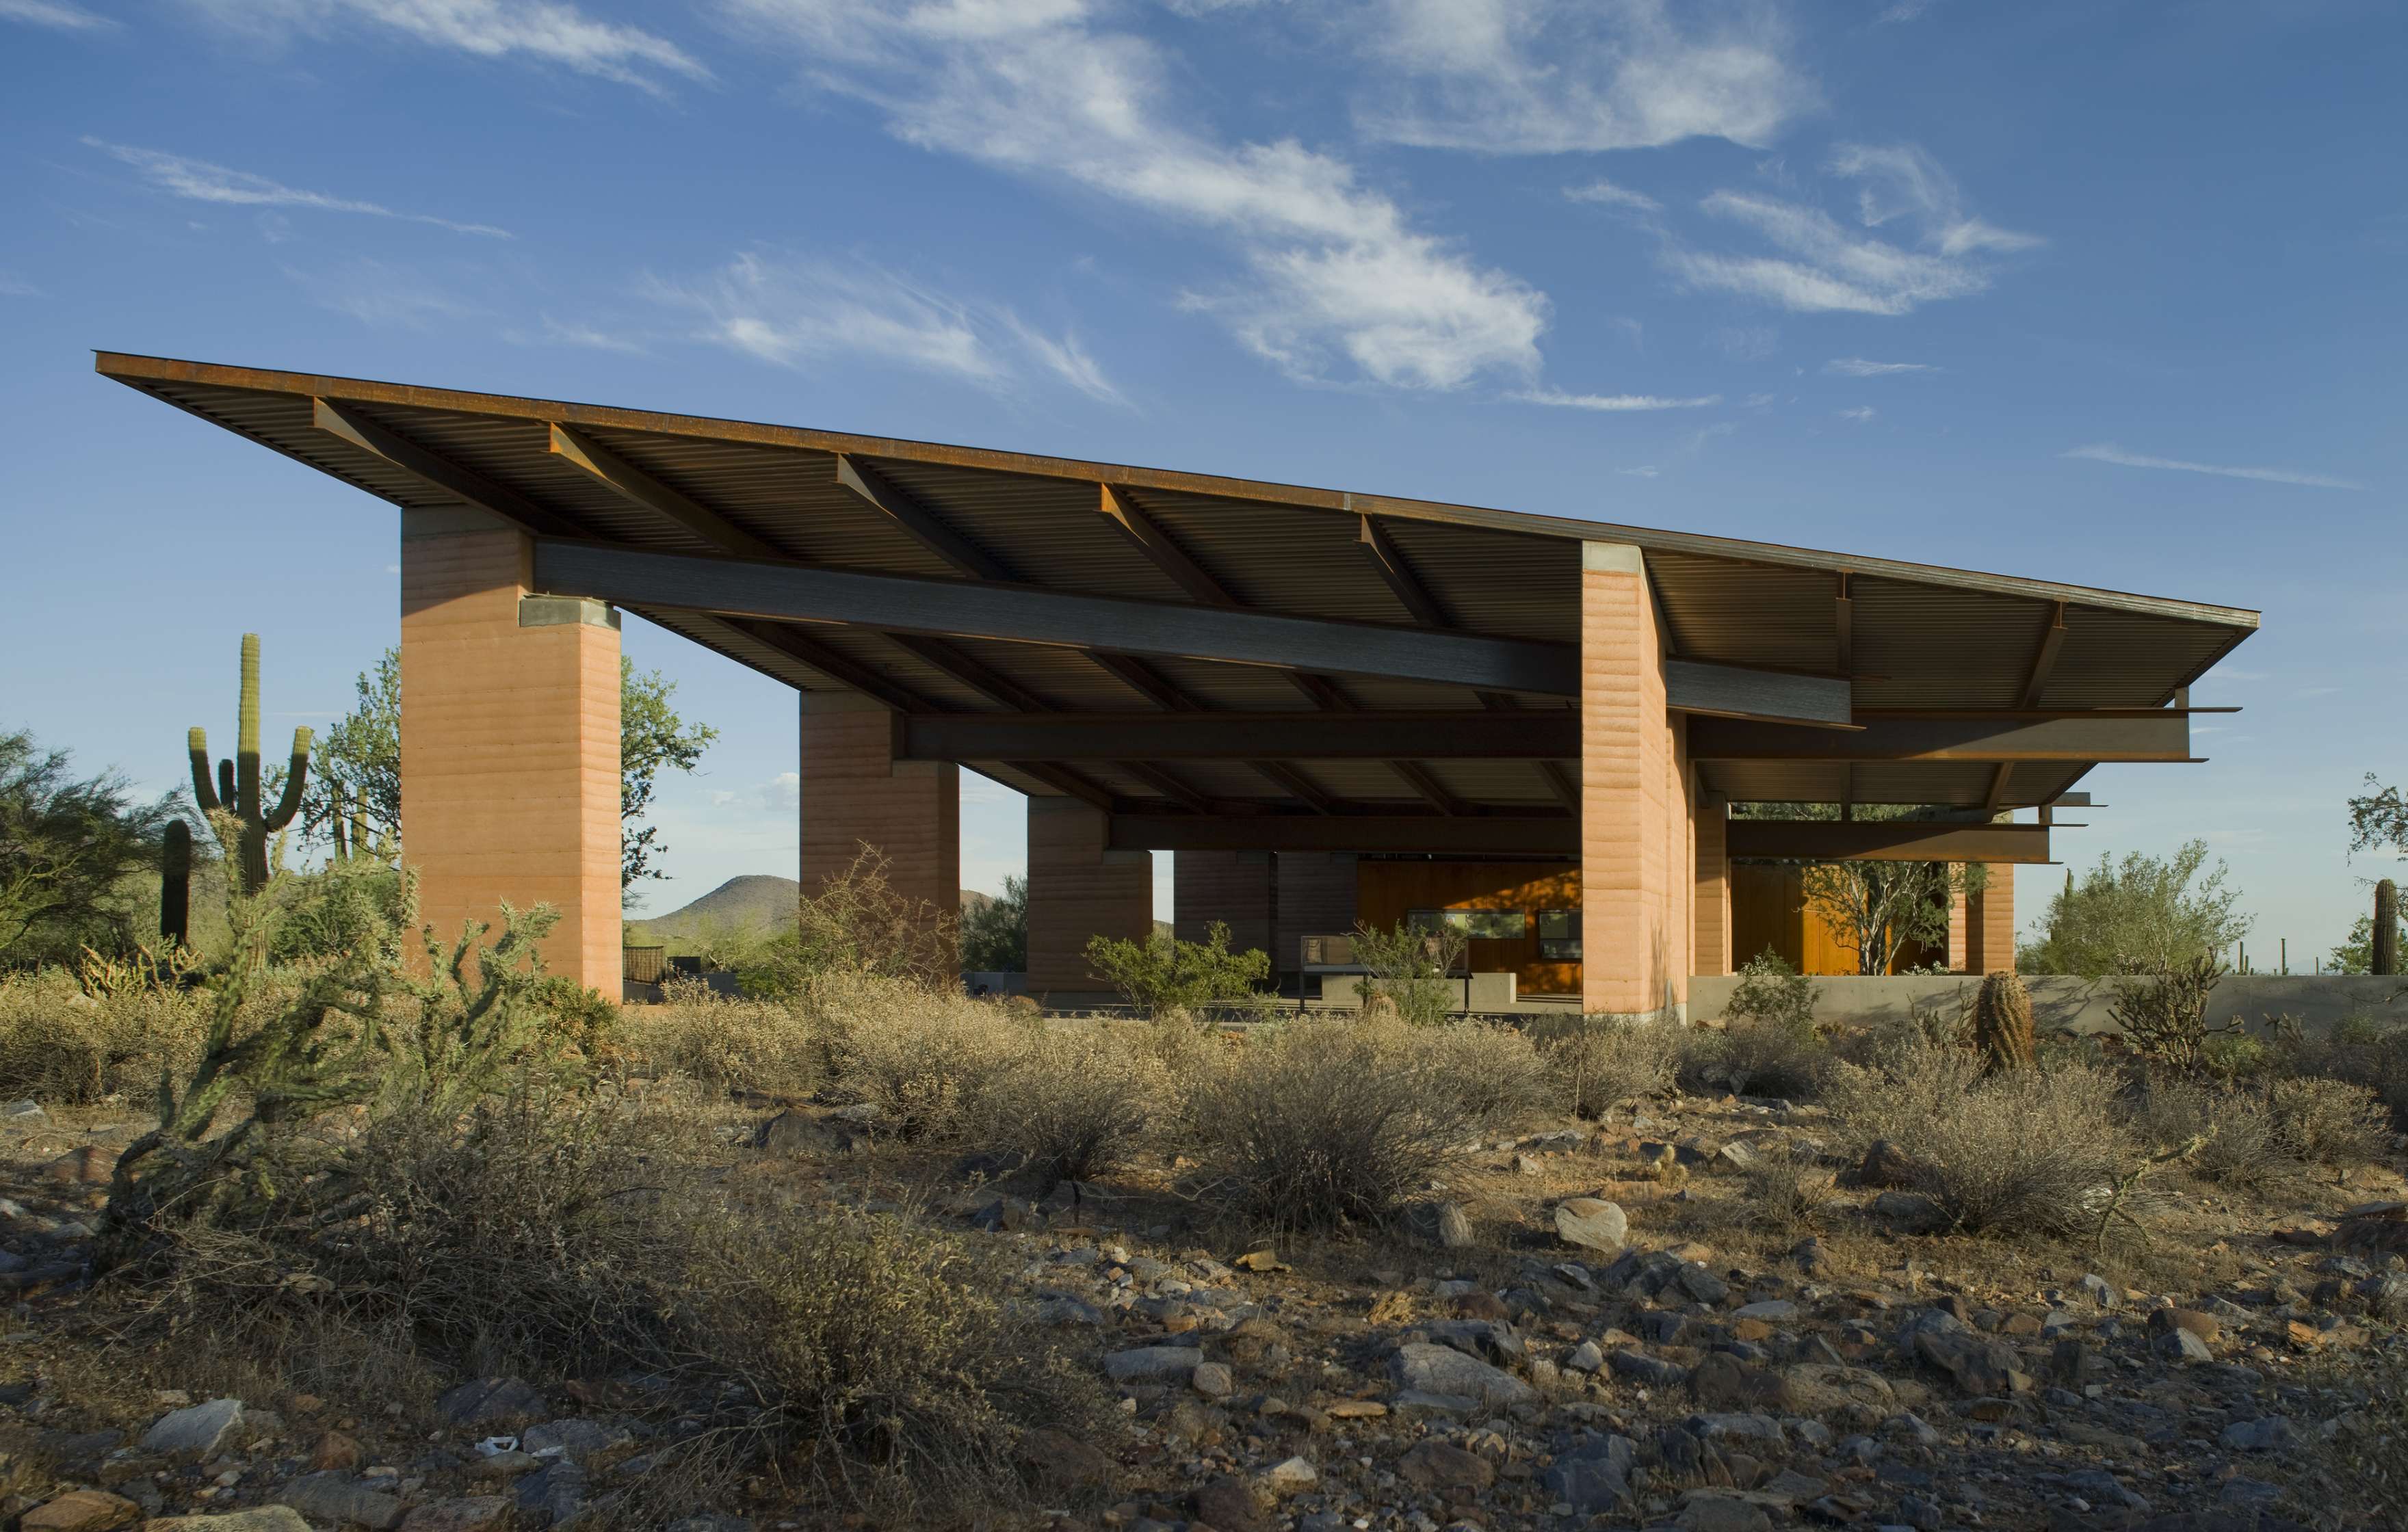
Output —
(757, 901)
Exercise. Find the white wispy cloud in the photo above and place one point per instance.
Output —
(794, 310)
(1611, 196)
(1823, 266)
(201, 181)
(781, 795)
(14, 286)
(1523, 77)
(547, 31)
(1646, 470)
(1858, 367)
(382, 294)
(2107, 452)
(1861, 414)
(1338, 278)
(56, 14)
(1610, 403)
(560, 332)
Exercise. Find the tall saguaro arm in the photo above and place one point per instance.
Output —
(239, 785)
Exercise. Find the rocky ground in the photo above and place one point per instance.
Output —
(1595, 1325)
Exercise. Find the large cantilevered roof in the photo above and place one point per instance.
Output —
(1168, 643)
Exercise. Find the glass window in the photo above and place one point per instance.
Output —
(1478, 924)
(1559, 935)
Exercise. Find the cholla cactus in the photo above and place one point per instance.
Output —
(2003, 1023)
(175, 883)
(232, 808)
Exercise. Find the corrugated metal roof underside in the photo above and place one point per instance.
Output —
(1915, 645)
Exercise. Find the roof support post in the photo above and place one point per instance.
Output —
(1636, 883)
(1080, 888)
(857, 794)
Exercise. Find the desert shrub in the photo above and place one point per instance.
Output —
(1321, 1123)
(1491, 1070)
(2234, 1132)
(1785, 1190)
(1409, 966)
(2021, 1151)
(923, 1054)
(1597, 1062)
(858, 924)
(2162, 1007)
(347, 907)
(60, 1044)
(2334, 1123)
(995, 935)
(1772, 992)
(1163, 974)
(721, 1043)
(1074, 1100)
(870, 1359)
(1766, 1059)
(2362, 1049)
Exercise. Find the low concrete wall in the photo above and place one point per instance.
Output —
(2061, 1004)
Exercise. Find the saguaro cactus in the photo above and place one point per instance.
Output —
(2003, 1023)
(2386, 928)
(175, 883)
(237, 789)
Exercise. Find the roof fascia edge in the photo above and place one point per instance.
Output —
(134, 367)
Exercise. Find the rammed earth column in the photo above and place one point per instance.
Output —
(1636, 851)
(510, 741)
(1079, 888)
(1712, 895)
(855, 794)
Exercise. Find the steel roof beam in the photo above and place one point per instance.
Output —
(2062, 737)
(635, 485)
(925, 526)
(1388, 562)
(347, 424)
(1884, 840)
(1494, 834)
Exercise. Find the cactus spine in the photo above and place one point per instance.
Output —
(2386, 950)
(236, 793)
(2003, 1023)
(175, 883)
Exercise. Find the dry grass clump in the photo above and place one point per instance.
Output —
(1076, 1100)
(58, 1044)
(2018, 1152)
(1754, 1057)
(923, 1054)
(2360, 1050)
(1492, 1070)
(869, 1360)
(724, 1044)
(1598, 1063)
(2239, 1144)
(1786, 1190)
(1323, 1123)
(2330, 1121)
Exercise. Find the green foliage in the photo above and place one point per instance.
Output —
(68, 846)
(995, 936)
(1879, 909)
(234, 806)
(1162, 974)
(652, 739)
(2162, 1009)
(1771, 993)
(2144, 910)
(1408, 967)
(858, 924)
(347, 907)
(2378, 819)
(2356, 954)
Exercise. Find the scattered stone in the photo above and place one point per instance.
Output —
(575, 1440)
(1910, 1213)
(468, 1514)
(1227, 1505)
(1259, 1260)
(491, 1401)
(1592, 1476)
(1356, 1409)
(1420, 1404)
(81, 1510)
(1592, 1223)
(1736, 1155)
(1453, 1226)
(1424, 1369)
(1212, 1380)
(1772, 1311)
(198, 1429)
(1723, 1513)
(1434, 1465)
(1059, 1460)
(265, 1519)
(551, 1496)
(24, 1112)
(335, 1451)
(2099, 1290)
(1635, 1364)
(797, 1132)
(1977, 1363)
(1586, 1357)
(338, 1497)
(2182, 1346)
(1818, 1388)
(1885, 1165)
(2266, 1434)
(1152, 1364)
(1292, 1477)
(89, 1165)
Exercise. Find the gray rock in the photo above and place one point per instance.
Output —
(2099, 1290)
(2101, 1488)
(1885, 1165)
(1592, 1475)
(265, 1519)
(22, 1112)
(1429, 1369)
(491, 1401)
(1420, 1404)
(197, 1429)
(1586, 1357)
(575, 1440)
(1641, 1367)
(1593, 1224)
(336, 1496)
(552, 1497)
(1737, 1154)
(2266, 1434)
(1909, 1211)
(1152, 1364)
(1709, 1512)
(1701, 1285)
(2182, 1347)
(1772, 1311)
(1212, 1380)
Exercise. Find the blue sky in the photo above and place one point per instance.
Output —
(2102, 292)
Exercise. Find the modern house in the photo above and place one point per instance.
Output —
(1329, 706)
